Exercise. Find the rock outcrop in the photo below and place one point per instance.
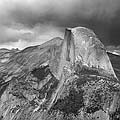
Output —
(62, 79)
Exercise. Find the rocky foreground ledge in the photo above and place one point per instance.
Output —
(62, 79)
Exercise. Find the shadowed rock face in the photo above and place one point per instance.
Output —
(115, 63)
(70, 79)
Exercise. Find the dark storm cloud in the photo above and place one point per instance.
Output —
(54, 15)
(34, 11)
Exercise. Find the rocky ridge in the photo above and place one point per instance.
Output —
(62, 79)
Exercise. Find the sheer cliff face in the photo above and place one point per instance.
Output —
(90, 48)
(70, 79)
(81, 44)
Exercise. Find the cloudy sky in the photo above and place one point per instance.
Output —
(30, 22)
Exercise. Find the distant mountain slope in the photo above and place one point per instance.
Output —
(30, 57)
(62, 79)
(5, 54)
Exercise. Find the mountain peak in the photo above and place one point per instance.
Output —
(62, 79)
(90, 49)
